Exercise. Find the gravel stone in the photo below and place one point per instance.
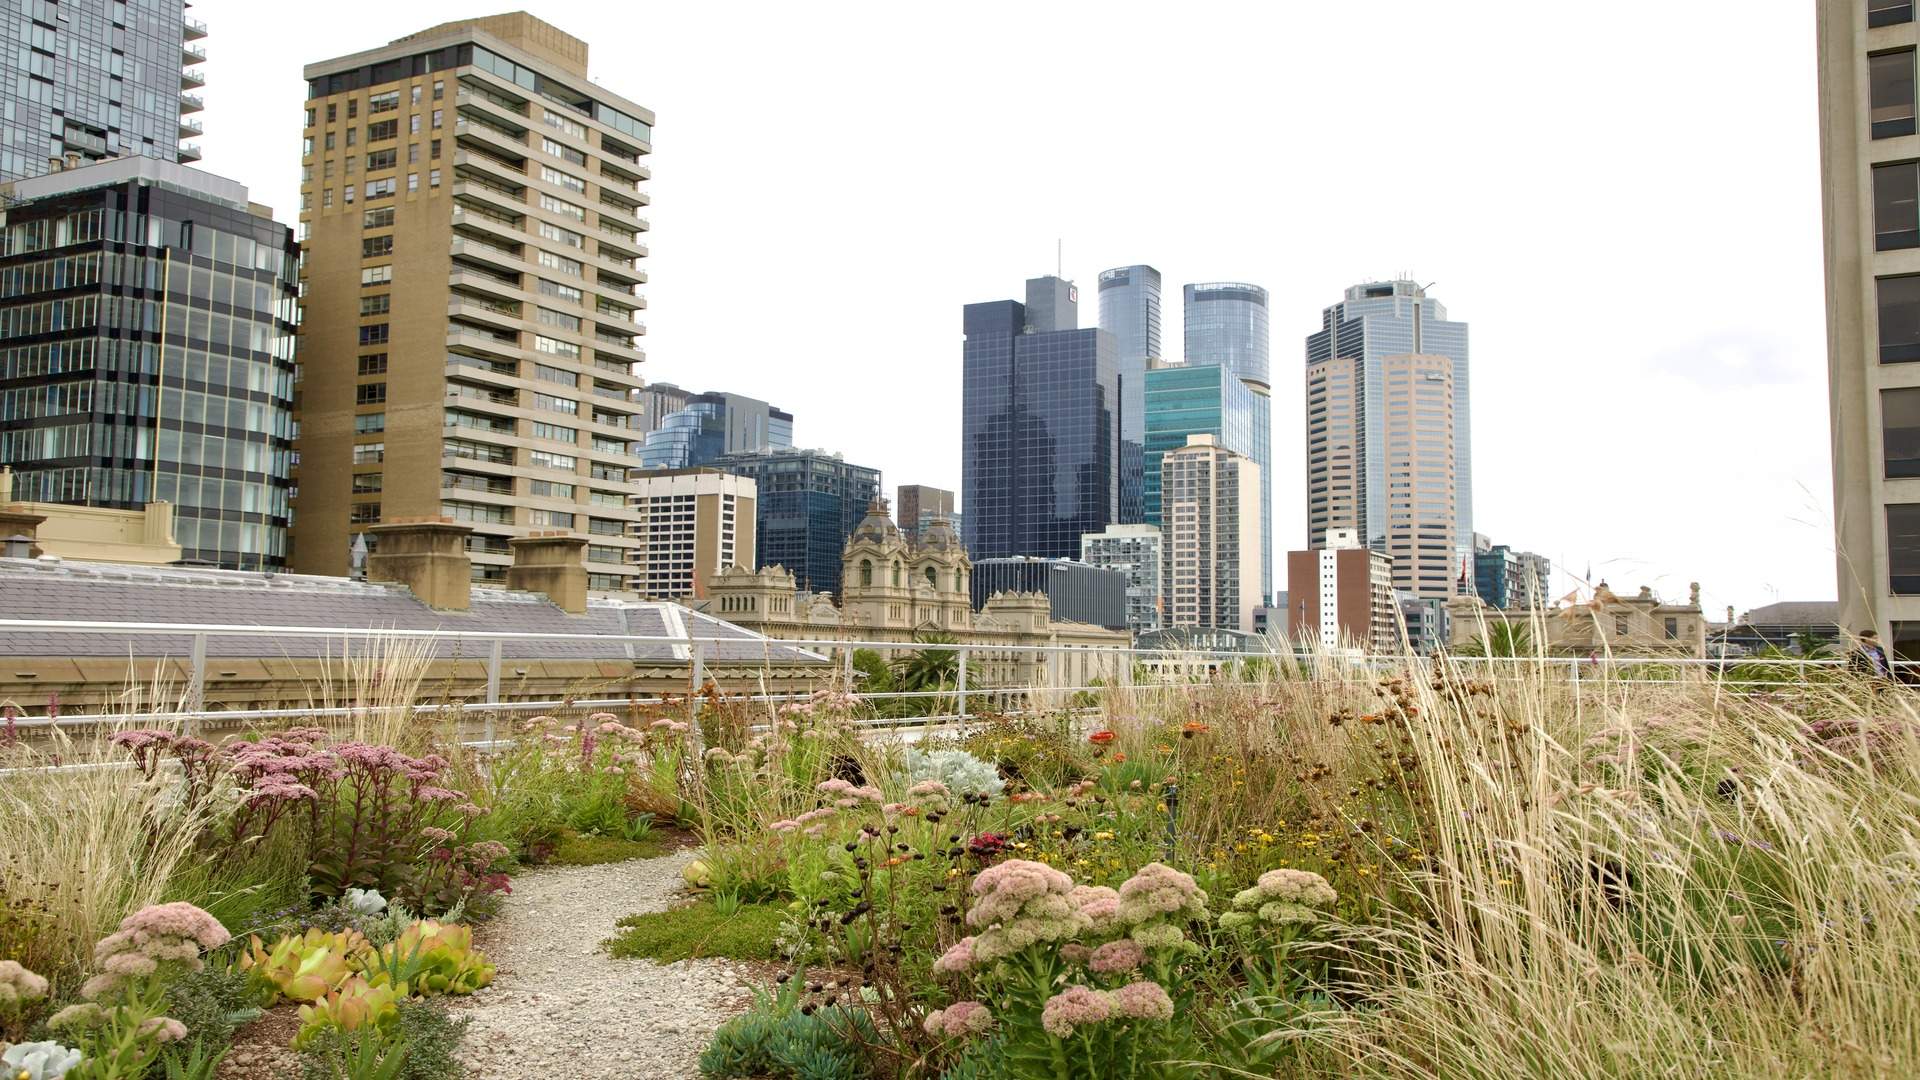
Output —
(560, 1007)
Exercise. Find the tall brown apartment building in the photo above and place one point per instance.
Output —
(1870, 175)
(918, 503)
(470, 206)
(1414, 415)
(1211, 536)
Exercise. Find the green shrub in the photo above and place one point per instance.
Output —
(698, 931)
(779, 1040)
(212, 1002)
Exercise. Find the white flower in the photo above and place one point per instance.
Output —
(39, 1061)
(365, 901)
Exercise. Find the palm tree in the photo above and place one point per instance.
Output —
(1503, 639)
(928, 669)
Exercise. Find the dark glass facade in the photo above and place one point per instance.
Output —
(1076, 591)
(1130, 311)
(98, 79)
(808, 504)
(714, 424)
(98, 268)
(1225, 323)
(1039, 427)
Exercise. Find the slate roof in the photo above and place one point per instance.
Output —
(106, 592)
(1796, 613)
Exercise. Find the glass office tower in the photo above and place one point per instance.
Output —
(1194, 399)
(1226, 324)
(1039, 426)
(1397, 318)
(98, 80)
(1130, 311)
(146, 352)
(809, 502)
(713, 424)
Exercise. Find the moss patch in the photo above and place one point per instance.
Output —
(578, 850)
(697, 931)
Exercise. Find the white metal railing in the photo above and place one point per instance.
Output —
(1042, 660)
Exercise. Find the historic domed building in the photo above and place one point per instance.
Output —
(896, 590)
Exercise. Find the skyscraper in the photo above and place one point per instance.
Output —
(150, 308)
(1374, 321)
(98, 81)
(1211, 540)
(1409, 411)
(1133, 550)
(712, 424)
(916, 505)
(1872, 216)
(1039, 447)
(1226, 324)
(471, 205)
(807, 503)
(1130, 311)
(1193, 399)
(1510, 579)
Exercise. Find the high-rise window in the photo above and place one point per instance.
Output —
(373, 364)
(381, 218)
(380, 103)
(1899, 308)
(1896, 206)
(375, 246)
(1889, 12)
(1903, 548)
(1900, 431)
(1890, 93)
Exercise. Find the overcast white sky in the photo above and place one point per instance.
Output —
(1622, 199)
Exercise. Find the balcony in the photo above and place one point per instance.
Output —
(191, 129)
(474, 367)
(486, 485)
(504, 318)
(192, 79)
(621, 368)
(488, 225)
(602, 348)
(614, 392)
(189, 151)
(191, 103)
(493, 254)
(493, 285)
(475, 135)
(473, 341)
(618, 271)
(478, 96)
(620, 244)
(192, 54)
(480, 398)
(192, 29)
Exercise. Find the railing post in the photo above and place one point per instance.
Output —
(197, 682)
(696, 652)
(493, 689)
(961, 679)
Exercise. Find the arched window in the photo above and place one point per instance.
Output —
(896, 573)
(866, 571)
(933, 577)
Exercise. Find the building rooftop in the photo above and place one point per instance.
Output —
(1796, 613)
(105, 592)
(119, 170)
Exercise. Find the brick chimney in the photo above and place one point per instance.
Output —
(427, 555)
(553, 563)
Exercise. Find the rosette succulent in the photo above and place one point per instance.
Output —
(305, 967)
(356, 1004)
(430, 957)
(38, 1061)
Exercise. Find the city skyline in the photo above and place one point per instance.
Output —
(719, 186)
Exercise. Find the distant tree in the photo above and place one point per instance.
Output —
(1503, 640)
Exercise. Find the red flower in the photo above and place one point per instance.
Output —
(1100, 738)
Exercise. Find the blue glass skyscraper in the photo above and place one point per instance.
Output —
(1193, 399)
(1130, 311)
(1395, 318)
(1039, 425)
(808, 504)
(1225, 323)
(713, 424)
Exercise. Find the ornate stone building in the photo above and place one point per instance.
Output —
(1640, 625)
(896, 590)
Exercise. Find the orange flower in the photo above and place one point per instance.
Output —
(1119, 759)
(1101, 737)
(1194, 727)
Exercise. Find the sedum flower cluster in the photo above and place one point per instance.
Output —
(147, 938)
(18, 988)
(1019, 903)
(1156, 902)
(1280, 898)
(959, 1020)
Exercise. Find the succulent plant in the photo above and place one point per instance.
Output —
(356, 1004)
(432, 958)
(305, 967)
(38, 1061)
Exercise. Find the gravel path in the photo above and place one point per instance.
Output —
(560, 1008)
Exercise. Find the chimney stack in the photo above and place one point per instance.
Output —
(73, 159)
(428, 556)
(553, 563)
(54, 164)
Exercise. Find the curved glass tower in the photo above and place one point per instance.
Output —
(1130, 311)
(1226, 324)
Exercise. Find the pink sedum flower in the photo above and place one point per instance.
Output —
(1074, 1007)
(959, 1020)
(957, 959)
(1117, 956)
(1142, 1001)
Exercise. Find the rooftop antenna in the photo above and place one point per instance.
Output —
(1058, 262)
